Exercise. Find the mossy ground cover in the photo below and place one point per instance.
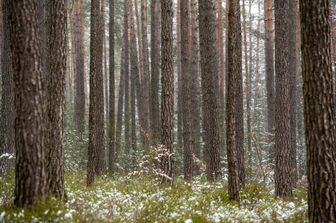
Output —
(143, 199)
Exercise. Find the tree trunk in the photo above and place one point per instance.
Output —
(319, 110)
(155, 71)
(95, 115)
(80, 96)
(234, 70)
(112, 90)
(195, 87)
(185, 72)
(167, 95)
(7, 118)
(209, 67)
(293, 10)
(145, 79)
(269, 72)
(56, 68)
(30, 181)
(282, 177)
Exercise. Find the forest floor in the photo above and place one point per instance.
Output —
(143, 199)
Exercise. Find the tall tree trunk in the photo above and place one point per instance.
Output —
(185, 72)
(135, 88)
(127, 133)
(30, 181)
(319, 109)
(100, 165)
(112, 90)
(247, 89)
(221, 74)
(293, 10)
(167, 95)
(234, 70)
(56, 67)
(209, 67)
(155, 71)
(80, 96)
(179, 77)
(282, 177)
(145, 79)
(269, 72)
(195, 87)
(95, 104)
(7, 118)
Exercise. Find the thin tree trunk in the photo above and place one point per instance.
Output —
(167, 95)
(112, 90)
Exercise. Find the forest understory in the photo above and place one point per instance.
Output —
(140, 198)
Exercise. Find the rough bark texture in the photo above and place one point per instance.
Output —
(319, 106)
(56, 67)
(282, 177)
(269, 72)
(167, 94)
(293, 10)
(155, 71)
(80, 97)
(94, 69)
(7, 118)
(134, 80)
(209, 67)
(111, 141)
(234, 70)
(145, 79)
(186, 109)
(195, 81)
(100, 165)
(30, 182)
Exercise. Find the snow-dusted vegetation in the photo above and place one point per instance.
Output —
(143, 199)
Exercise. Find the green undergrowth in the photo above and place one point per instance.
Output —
(143, 199)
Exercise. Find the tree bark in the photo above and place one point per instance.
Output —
(30, 181)
(209, 67)
(167, 94)
(319, 109)
(283, 186)
(234, 70)
(155, 71)
(185, 72)
(56, 67)
(7, 119)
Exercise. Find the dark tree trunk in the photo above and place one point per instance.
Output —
(167, 94)
(135, 88)
(319, 110)
(30, 181)
(283, 186)
(56, 68)
(186, 109)
(209, 67)
(95, 68)
(112, 90)
(234, 70)
(7, 116)
(155, 71)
